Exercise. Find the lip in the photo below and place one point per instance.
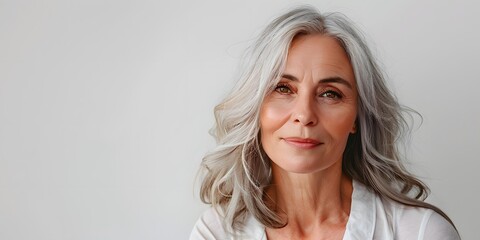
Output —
(304, 143)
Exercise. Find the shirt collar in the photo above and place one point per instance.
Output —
(361, 222)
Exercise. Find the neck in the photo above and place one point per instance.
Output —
(309, 201)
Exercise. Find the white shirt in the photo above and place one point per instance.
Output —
(370, 218)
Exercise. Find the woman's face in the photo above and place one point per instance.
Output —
(305, 122)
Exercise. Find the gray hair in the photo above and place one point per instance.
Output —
(237, 170)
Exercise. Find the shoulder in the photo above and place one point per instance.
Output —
(382, 218)
(208, 226)
(420, 223)
(437, 227)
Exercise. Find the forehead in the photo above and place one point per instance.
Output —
(318, 54)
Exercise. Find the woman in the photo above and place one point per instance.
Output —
(307, 144)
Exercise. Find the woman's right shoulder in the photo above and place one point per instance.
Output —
(209, 226)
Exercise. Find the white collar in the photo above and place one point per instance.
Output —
(361, 222)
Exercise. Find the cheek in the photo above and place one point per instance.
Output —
(273, 117)
(341, 123)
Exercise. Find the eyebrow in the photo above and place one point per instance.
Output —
(323, 80)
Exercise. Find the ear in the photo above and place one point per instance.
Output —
(354, 128)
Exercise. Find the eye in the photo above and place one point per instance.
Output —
(331, 95)
(283, 89)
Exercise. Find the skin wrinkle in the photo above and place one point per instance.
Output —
(309, 188)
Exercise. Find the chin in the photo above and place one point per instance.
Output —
(302, 166)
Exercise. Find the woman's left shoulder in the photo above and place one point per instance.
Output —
(421, 223)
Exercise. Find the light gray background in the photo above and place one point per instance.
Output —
(105, 106)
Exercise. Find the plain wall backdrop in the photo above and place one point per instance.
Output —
(105, 106)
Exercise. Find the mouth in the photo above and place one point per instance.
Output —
(304, 143)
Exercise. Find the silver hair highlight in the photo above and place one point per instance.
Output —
(237, 170)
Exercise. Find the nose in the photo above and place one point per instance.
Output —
(304, 112)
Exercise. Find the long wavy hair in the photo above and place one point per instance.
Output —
(237, 171)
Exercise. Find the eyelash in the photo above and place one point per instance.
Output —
(336, 95)
(283, 85)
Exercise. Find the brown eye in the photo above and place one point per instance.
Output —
(331, 95)
(283, 89)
